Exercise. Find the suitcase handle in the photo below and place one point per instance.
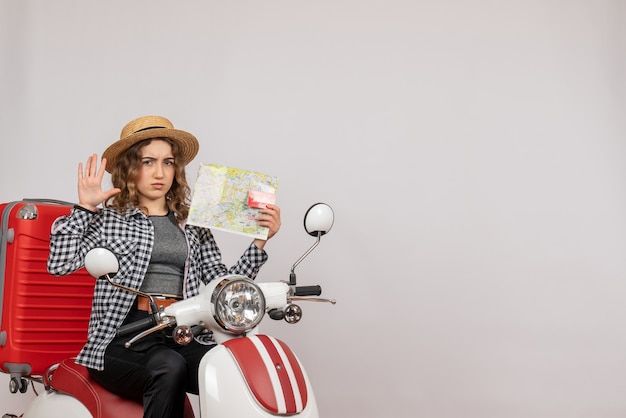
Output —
(50, 201)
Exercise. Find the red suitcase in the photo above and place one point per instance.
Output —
(43, 318)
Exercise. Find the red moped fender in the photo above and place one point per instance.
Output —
(255, 376)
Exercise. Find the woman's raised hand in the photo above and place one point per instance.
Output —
(90, 193)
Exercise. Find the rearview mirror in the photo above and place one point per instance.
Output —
(319, 219)
(101, 262)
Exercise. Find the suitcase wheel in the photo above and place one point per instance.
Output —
(16, 384)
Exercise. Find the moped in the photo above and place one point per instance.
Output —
(247, 374)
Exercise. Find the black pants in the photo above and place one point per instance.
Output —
(155, 371)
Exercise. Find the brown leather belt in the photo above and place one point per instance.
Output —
(143, 304)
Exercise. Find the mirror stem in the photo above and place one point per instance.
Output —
(153, 305)
(292, 276)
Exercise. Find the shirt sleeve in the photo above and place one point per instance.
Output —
(70, 239)
(250, 262)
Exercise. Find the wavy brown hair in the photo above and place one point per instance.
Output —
(124, 176)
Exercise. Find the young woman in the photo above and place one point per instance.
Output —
(143, 222)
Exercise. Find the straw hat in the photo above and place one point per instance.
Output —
(147, 127)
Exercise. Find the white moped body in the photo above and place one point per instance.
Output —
(54, 404)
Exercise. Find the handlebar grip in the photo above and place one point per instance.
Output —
(308, 290)
(137, 326)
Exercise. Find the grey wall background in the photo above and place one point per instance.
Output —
(472, 152)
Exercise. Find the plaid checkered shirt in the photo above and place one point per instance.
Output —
(130, 236)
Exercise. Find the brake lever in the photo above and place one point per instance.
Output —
(165, 322)
(331, 301)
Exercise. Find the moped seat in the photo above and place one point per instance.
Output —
(74, 379)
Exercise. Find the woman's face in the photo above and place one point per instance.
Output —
(157, 172)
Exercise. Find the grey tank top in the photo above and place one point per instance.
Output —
(169, 255)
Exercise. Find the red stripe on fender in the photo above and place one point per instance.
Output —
(285, 383)
(254, 371)
(297, 371)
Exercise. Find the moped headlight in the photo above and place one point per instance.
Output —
(238, 304)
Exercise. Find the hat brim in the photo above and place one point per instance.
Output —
(187, 144)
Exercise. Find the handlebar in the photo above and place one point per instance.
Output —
(137, 326)
(153, 323)
(307, 290)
